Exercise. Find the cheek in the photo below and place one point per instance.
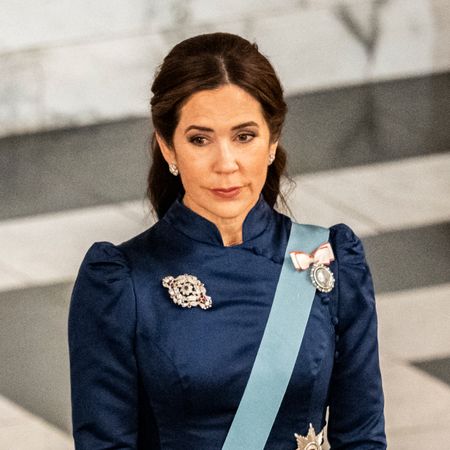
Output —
(192, 170)
(257, 166)
(259, 179)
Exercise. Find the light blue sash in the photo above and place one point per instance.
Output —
(279, 347)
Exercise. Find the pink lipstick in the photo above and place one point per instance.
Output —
(227, 193)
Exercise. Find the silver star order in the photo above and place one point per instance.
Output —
(311, 441)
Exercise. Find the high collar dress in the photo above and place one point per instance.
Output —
(149, 374)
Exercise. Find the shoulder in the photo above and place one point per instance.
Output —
(349, 253)
(102, 303)
(347, 246)
(103, 290)
(104, 261)
(355, 288)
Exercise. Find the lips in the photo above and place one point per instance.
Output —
(227, 192)
(227, 189)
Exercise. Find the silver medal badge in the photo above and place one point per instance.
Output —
(322, 278)
(187, 291)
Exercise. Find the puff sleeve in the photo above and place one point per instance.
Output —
(356, 401)
(103, 370)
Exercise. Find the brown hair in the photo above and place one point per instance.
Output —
(208, 61)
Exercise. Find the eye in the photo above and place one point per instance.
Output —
(198, 140)
(245, 137)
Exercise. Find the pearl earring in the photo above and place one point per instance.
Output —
(173, 169)
(271, 158)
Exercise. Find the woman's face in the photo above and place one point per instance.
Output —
(222, 141)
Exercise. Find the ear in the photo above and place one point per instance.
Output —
(273, 147)
(167, 152)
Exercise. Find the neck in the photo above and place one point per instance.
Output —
(230, 228)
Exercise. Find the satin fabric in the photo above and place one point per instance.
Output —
(149, 374)
(279, 346)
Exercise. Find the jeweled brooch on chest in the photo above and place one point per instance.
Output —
(321, 276)
(311, 441)
(187, 291)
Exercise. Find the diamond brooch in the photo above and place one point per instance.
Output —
(187, 291)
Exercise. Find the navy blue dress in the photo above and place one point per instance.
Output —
(149, 374)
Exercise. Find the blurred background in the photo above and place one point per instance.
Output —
(368, 89)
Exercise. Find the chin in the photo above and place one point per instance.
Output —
(230, 208)
(209, 205)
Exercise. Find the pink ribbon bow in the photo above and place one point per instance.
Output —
(321, 255)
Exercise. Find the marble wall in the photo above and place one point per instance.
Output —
(65, 62)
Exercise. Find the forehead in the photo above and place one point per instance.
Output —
(226, 105)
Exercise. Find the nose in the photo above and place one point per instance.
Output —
(225, 158)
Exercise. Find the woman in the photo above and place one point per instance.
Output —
(165, 329)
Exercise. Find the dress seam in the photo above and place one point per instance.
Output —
(138, 369)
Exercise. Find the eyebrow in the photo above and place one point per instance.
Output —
(236, 127)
